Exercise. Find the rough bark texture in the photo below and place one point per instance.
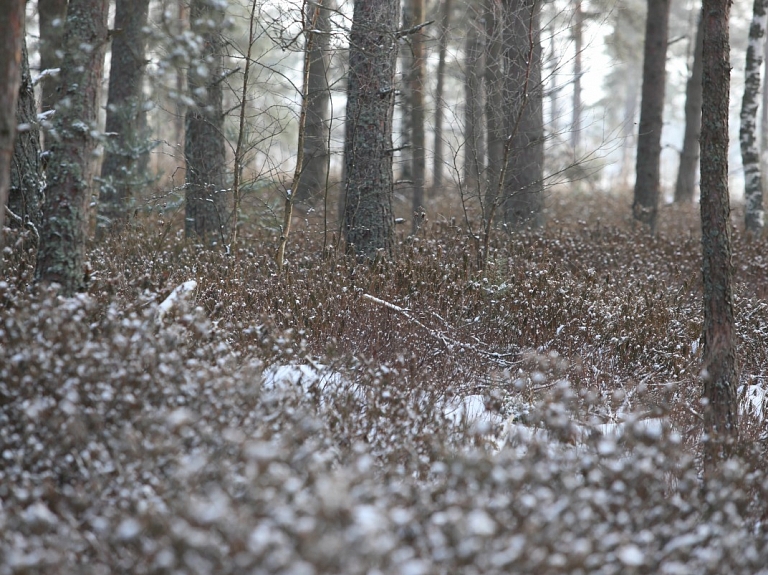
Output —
(524, 177)
(764, 117)
(750, 148)
(204, 148)
(52, 14)
(11, 41)
(494, 103)
(418, 139)
(474, 148)
(578, 45)
(685, 189)
(127, 140)
(26, 194)
(719, 372)
(646, 202)
(314, 175)
(442, 52)
(368, 219)
(67, 195)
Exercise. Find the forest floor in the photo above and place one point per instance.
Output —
(423, 414)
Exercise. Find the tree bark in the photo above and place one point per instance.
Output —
(474, 148)
(127, 140)
(646, 202)
(405, 101)
(314, 175)
(206, 210)
(65, 211)
(26, 194)
(11, 41)
(689, 158)
(368, 218)
(524, 176)
(438, 160)
(53, 15)
(719, 374)
(750, 148)
(578, 41)
(494, 103)
(418, 139)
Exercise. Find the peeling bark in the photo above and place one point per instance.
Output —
(750, 148)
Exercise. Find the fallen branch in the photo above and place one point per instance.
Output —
(448, 342)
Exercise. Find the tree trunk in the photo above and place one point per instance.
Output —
(127, 140)
(314, 175)
(417, 112)
(524, 176)
(405, 101)
(67, 195)
(689, 158)
(11, 42)
(368, 219)
(646, 203)
(53, 15)
(578, 41)
(474, 149)
(445, 23)
(494, 103)
(204, 147)
(750, 149)
(719, 372)
(26, 193)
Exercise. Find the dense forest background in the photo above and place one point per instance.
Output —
(383, 286)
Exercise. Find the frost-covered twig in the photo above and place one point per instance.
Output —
(179, 294)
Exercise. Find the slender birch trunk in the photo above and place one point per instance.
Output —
(750, 149)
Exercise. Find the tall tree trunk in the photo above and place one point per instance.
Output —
(67, 195)
(750, 149)
(181, 76)
(26, 193)
(417, 112)
(53, 15)
(368, 218)
(628, 135)
(442, 52)
(689, 158)
(11, 42)
(206, 210)
(494, 102)
(474, 149)
(720, 376)
(764, 118)
(524, 176)
(646, 203)
(127, 141)
(405, 100)
(578, 44)
(313, 178)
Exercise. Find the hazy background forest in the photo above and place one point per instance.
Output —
(383, 286)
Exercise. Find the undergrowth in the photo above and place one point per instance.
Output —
(133, 444)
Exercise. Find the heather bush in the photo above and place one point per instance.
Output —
(422, 415)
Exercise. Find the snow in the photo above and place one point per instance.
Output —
(181, 293)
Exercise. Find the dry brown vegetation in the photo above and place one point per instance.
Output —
(131, 446)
